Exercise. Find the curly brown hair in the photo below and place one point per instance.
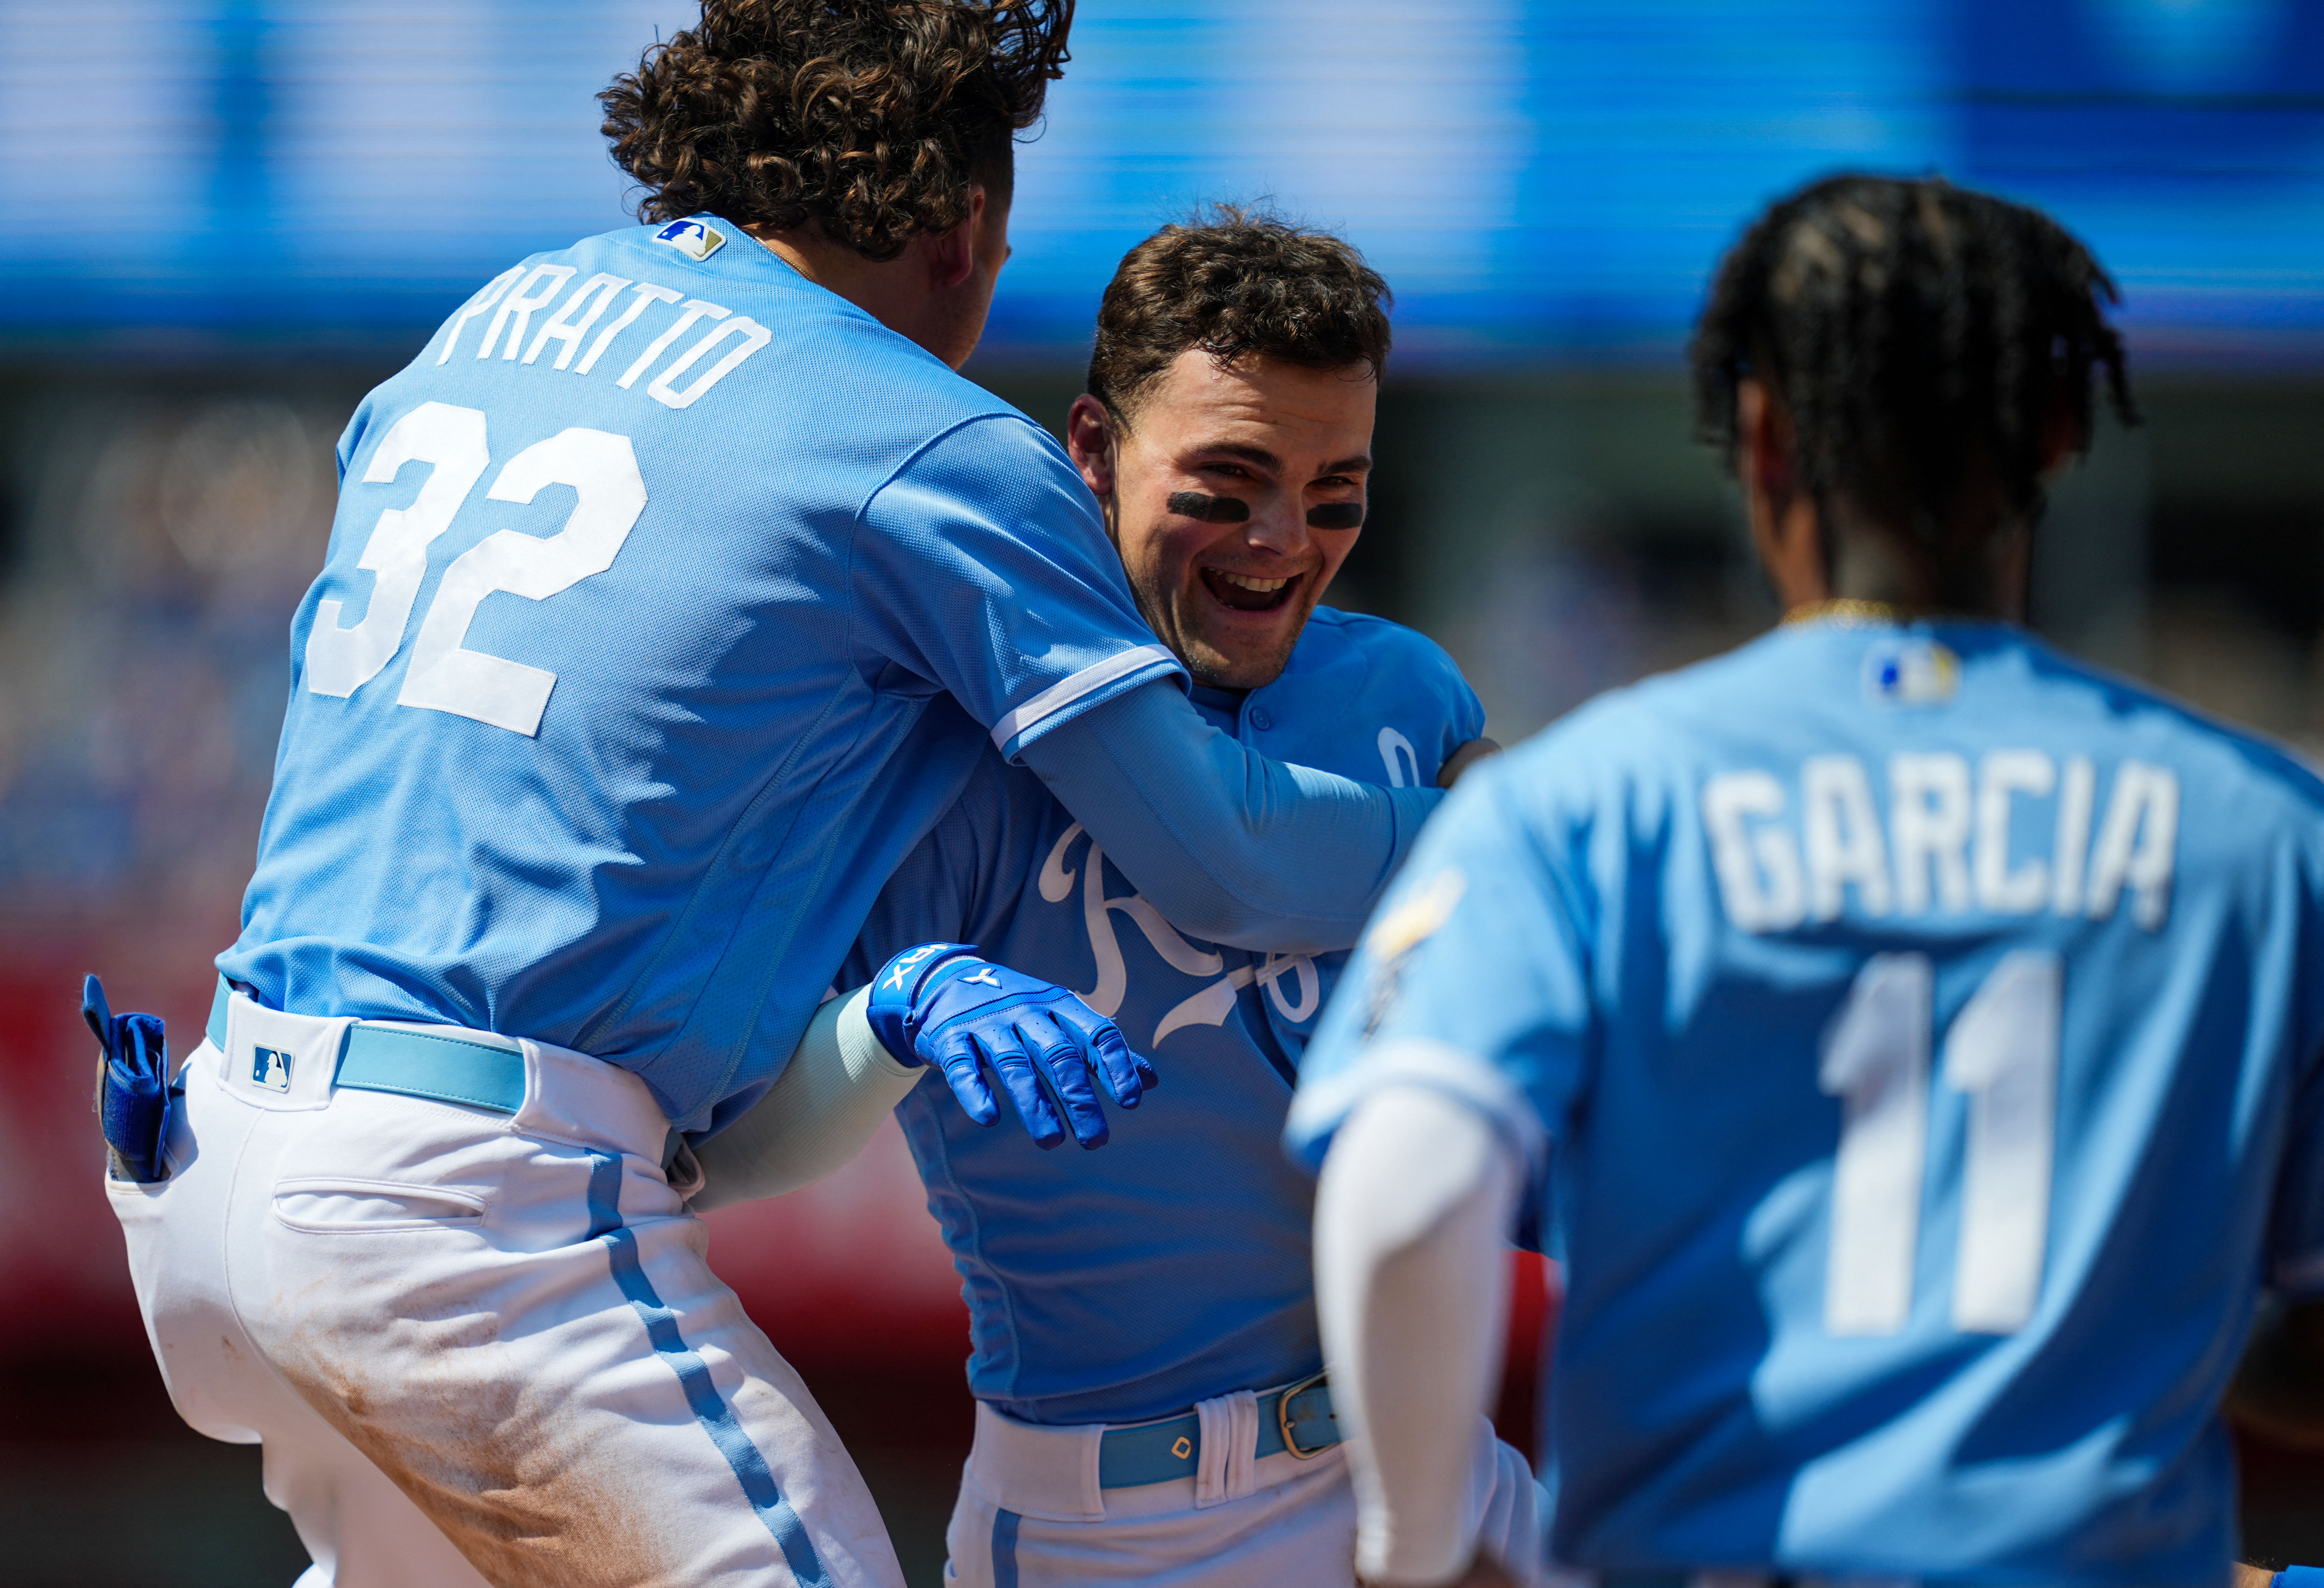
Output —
(1234, 280)
(869, 118)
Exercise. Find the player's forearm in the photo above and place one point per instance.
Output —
(1411, 1287)
(1227, 843)
(839, 1085)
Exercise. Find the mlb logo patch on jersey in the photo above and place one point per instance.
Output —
(270, 1068)
(1910, 672)
(697, 240)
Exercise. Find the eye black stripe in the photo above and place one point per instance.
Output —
(1208, 508)
(1336, 515)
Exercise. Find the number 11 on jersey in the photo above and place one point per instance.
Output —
(2002, 1053)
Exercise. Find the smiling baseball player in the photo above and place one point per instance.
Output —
(675, 587)
(1146, 1361)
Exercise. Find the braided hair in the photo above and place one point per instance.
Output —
(1923, 338)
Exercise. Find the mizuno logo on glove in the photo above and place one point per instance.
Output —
(940, 1004)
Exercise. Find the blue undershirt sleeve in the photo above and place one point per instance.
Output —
(1227, 843)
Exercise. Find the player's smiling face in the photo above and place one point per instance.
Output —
(1234, 496)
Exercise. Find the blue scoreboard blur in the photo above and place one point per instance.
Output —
(1536, 178)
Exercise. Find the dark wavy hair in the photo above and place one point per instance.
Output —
(869, 118)
(1234, 280)
(1918, 332)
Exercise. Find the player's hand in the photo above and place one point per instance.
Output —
(1462, 759)
(940, 1004)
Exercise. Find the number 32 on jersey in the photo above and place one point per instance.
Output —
(444, 674)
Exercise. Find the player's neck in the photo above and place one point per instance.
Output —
(906, 294)
(1878, 568)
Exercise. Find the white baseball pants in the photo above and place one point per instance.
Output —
(1030, 1515)
(478, 1347)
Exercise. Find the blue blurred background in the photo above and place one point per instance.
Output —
(1538, 180)
(225, 219)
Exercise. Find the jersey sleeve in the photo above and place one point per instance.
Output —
(982, 566)
(1473, 980)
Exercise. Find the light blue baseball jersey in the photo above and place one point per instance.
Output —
(669, 599)
(1923, 1032)
(1172, 1264)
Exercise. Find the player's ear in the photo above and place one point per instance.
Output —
(1787, 527)
(2063, 438)
(952, 255)
(1089, 442)
(1762, 443)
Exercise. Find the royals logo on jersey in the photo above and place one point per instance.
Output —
(1073, 1323)
(1346, 674)
(1073, 873)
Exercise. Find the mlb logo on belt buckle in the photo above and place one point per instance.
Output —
(692, 238)
(270, 1068)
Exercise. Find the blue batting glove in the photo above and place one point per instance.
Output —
(940, 1003)
(133, 1085)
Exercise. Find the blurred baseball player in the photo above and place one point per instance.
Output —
(1146, 1362)
(675, 588)
(1921, 1030)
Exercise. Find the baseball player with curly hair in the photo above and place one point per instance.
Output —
(675, 588)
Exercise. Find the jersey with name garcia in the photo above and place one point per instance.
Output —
(1172, 1264)
(1923, 1032)
(669, 600)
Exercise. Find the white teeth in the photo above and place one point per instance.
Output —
(1243, 582)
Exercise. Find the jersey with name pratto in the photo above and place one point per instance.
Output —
(1925, 1033)
(663, 588)
(1172, 1264)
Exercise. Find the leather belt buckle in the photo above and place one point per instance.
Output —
(1282, 1417)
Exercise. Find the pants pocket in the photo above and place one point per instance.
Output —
(329, 1204)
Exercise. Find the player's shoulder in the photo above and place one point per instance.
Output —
(1807, 686)
(1337, 641)
(880, 390)
(2233, 761)
(1629, 753)
(1639, 726)
(1377, 639)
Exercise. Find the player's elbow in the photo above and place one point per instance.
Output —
(1240, 881)
(1201, 903)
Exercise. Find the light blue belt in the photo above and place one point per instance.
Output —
(416, 1064)
(1297, 1418)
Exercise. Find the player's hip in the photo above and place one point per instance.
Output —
(500, 1301)
(1044, 1507)
(328, 1177)
(1036, 1507)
